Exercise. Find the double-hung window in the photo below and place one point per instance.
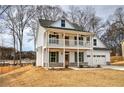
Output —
(88, 39)
(53, 38)
(75, 40)
(81, 57)
(53, 56)
(81, 40)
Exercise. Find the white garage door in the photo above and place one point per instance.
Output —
(99, 59)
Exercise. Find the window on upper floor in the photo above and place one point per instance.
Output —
(75, 40)
(62, 23)
(56, 36)
(94, 42)
(81, 40)
(88, 38)
(53, 38)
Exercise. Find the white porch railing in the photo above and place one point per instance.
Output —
(68, 43)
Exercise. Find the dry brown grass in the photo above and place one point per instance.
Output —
(6, 69)
(37, 76)
(116, 59)
(119, 63)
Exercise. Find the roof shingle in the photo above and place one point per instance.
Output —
(47, 23)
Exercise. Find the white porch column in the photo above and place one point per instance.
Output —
(64, 57)
(64, 50)
(43, 57)
(48, 47)
(47, 39)
(48, 56)
(92, 50)
(77, 50)
(78, 57)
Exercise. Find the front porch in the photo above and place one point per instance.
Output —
(65, 57)
(67, 39)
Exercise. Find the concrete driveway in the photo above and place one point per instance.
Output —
(114, 67)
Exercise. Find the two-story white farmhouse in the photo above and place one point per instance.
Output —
(60, 43)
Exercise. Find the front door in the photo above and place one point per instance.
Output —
(66, 58)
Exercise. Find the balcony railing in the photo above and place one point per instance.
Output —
(68, 43)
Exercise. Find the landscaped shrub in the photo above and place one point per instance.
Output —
(98, 66)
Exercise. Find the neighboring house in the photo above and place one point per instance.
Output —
(28, 55)
(61, 43)
(6, 53)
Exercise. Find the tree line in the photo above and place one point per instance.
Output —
(18, 19)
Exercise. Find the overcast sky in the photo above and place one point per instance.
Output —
(102, 11)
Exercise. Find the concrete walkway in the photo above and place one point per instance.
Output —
(114, 67)
(76, 68)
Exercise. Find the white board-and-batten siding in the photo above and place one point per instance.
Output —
(43, 57)
(58, 24)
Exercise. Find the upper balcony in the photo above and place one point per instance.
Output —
(68, 43)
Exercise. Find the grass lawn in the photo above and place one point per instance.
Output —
(7, 69)
(37, 76)
(120, 63)
(117, 61)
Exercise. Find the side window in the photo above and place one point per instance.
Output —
(62, 23)
(94, 42)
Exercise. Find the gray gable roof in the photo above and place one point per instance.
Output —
(99, 48)
(47, 23)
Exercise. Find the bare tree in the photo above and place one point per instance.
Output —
(115, 31)
(33, 29)
(49, 12)
(72, 13)
(86, 18)
(3, 8)
(18, 20)
(10, 20)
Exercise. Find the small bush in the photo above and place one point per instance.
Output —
(80, 66)
(34, 64)
(98, 66)
(66, 66)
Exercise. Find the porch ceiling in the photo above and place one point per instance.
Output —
(61, 49)
(74, 32)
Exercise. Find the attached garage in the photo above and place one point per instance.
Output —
(99, 59)
(101, 56)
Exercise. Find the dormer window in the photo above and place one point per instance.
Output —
(62, 23)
